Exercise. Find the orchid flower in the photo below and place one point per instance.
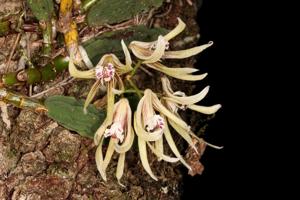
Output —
(121, 134)
(107, 72)
(150, 125)
(178, 100)
(152, 52)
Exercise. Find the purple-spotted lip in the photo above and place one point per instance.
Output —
(116, 131)
(105, 73)
(154, 123)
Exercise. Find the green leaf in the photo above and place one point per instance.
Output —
(42, 9)
(68, 112)
(110, 42)
(115, 11)
(4, 28)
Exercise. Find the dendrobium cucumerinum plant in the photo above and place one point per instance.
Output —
(154, 113)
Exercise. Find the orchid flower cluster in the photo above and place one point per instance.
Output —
(153, 114)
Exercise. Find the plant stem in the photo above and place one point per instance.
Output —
(132, 91)
(138, 64)
(131, 83)
(47, 38)
(70, 32)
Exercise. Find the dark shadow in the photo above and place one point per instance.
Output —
(211, 184)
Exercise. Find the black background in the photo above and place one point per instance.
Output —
(214, 22)
(247, 70)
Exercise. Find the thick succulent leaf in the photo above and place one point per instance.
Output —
(68, 112)
(115, 11)
(110, 42)
(42, 9)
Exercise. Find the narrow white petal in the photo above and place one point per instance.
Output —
(91, 94)
(119, 82)
(120, 168)
(208, 144)
(105, 59)
(208, 110)
(100, 131)
(141, 50)
(85, 57)
(99, 161)
(189, 77)
(74, 72)
(187, 52)
(178, 70)
(166, 86)
(164, 157)
(213, 146)
(178, 29)
(185, 100)
(110, 101)
(159, 146)
(158, 52)
(126, 145)
(174, 72)
(144, 157)
(144, 45)
(184, 133)
(173, 147)
(109, 153)
(128, 60)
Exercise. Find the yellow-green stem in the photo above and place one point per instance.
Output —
(47, 38)
(131, 83)
(138, 64)
(132, 91)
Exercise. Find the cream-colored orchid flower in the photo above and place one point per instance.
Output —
(121, 134)
(107, 72)
(152, 52)
(151, 126)
(178, 100)
(175, 100)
